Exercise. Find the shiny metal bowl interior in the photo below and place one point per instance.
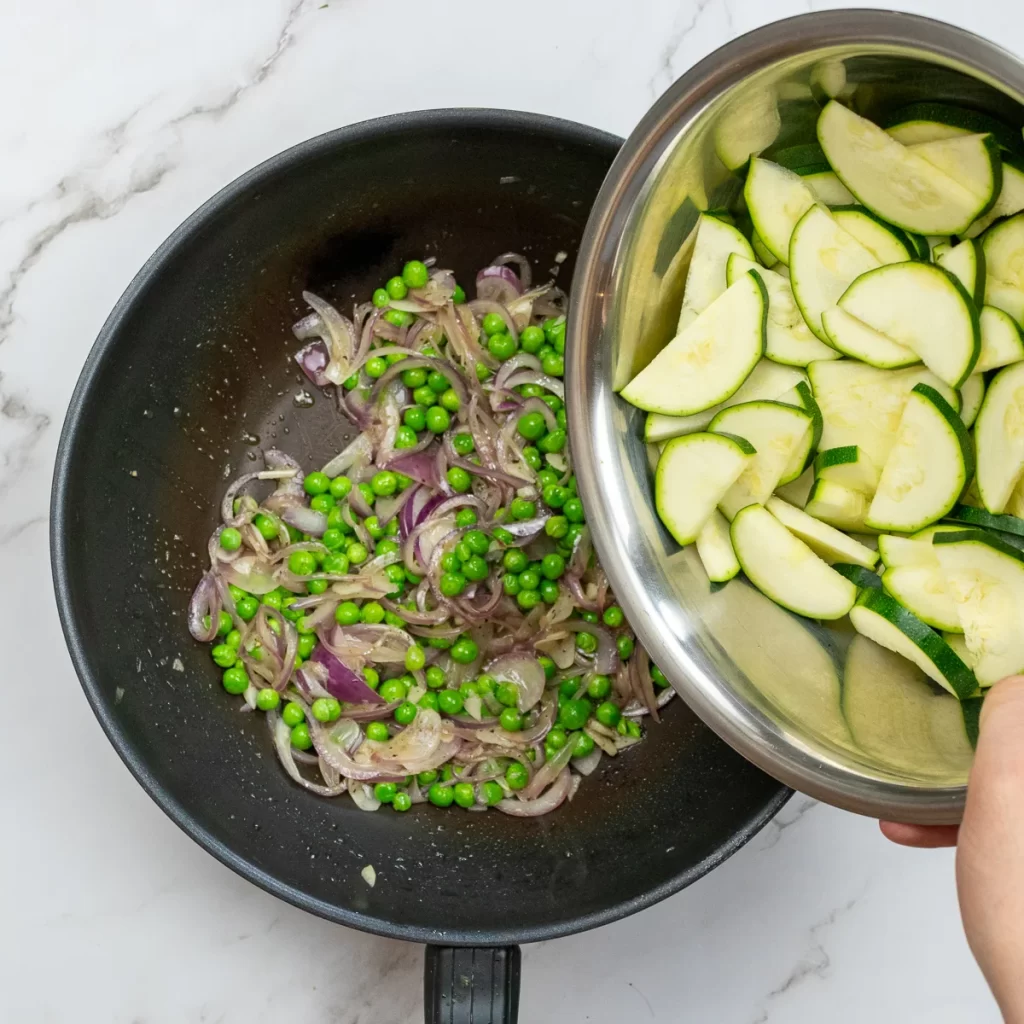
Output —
(755, 674)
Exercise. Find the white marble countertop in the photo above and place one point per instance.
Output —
(119, 118)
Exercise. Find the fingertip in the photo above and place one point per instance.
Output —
(922, 837)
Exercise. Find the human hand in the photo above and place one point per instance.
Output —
(990, 847)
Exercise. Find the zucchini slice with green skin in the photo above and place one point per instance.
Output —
(761, 251)
(1010, 201)
(848, 466)
(776, 199)
(789, 341)
(985, 520)
(881, 618)
(694, 473)
(893, 181)
(827, 542)
(798, 491)
(1004, 253)
(803, 398)
(785, 569)
(972, 394)
(852, 337)
(1002, 341)
(828, 189)
(972, 160)
(999, 438)
(888, 244)
(767, 380)
(913, 550)
(921, 244)
(896, 717)
(706, 278)
(925, 308)
(928, 469)
(986, 580)
(922, 590)
(1007, 297)
(839, 506)
(862, 405)
(966, 262)
(714, 545)
(927, 121)
(824, 260)
(747, 128)
(858, 575)
(708, 361)
(808, 158)
(776, 431)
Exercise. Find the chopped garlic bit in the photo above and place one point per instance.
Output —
(369, 875)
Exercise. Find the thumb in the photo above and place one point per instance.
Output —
(990, 855)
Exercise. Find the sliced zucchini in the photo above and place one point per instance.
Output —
(928, 469)
(1004, 253)
(888, 244)
(824, 540)
(922, 589)
(852, 337)
(858, 575)
(839, 506)
(848, 466)
(785, 569)
(828, 189)
(714, 545)
(999, 437)
(928, 121)
(925, 308)
(986, 520)
(893, 181)
(803, 398)
(922, 245)
(881, 618)
(1002, 341)
(746, 128)
(767, 380)
(706, 278)
(1010, 201)
(986, 580)
(803, 160)
(776, 199)
(913, 133)
(973, 391)
(862, 405)
(897, 718)
(797, 492)
(966, 262)
(789, 341)
(823, 261)
(913, 550)
(761, 251)
(694, 473)
(972, 160)
(776, 431)
(1007, 297)
(708, 361)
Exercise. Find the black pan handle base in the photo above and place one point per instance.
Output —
(471, 985)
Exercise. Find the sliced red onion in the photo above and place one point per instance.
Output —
(645, 684)
(360, 451)
(341, 681)
(205, 602)
(362, 796)
(340, 339)
(420, 465)
(438, 290)
(250, 575)
(606, 660)
(552, 384)
(334, 743)
(548, 772)
(227, 505)
(497, 475)
(313, 360)
(588, 764)
(498, 284)
(581, 552)
(387, 508)
(523, 307)
(575, 586)
(462, 331)
(525, 273)
(282, 735)
(520, 361)
(525, 530)
(553, 798)
(524, 672)
(306, 520)
(539, 405)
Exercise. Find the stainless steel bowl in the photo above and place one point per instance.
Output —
(765, 681)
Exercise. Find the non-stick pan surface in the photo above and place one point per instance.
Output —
(190, 377)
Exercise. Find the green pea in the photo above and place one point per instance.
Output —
(300, 737)
(450, 400)
(554, 330)
(427, 778)
(528, 599)
(233, 639)
(306, 645)
(553, 442)
(377, 731)
(553, 365)
(429, 700)
(549, 591)
(385, 792)
(452, 584)
(415, 419)
(531, 390)
(546, 478)
(321, 709)
(415, 274)
(293, 714)
(553, 402)
(532, 457)
(224, 656)
(516, 776)
(347, 613)
(390, 617)
(503, 536)
(424, 396)
(493, 323)
(583, 745)
(373, 527)
(573, 510)
(316, 483)
(545, 350)
(625, 646)
(352, 382)
(492, 792)
(613, 616)
(414, 378)
(531, 338)
(531, 425)
(502, 346)
(440, 796)
(459, 479)
(574, 713)
(608, 714)
(438, 420)
(381, 297)
(401, 801)
(450, 562)
(247, 608)
(441, 643)
(588, 616)
(562, 420)
(372, 612)
(507, 694)
(548, 665)
(574, 533)
(336, 563)
(316, 586)
(510, 584)
(599, 687)
(553, 566)
(435, 677)
(459, 295)
(514, 560)
(462, 443)
(267, 526)
(405, 437)
(302, 563)
(384, 483)
(529, 580)
(397, 288)
(464, 651)
(415, 658)
(376, 367)
(405, 713)
(230, 539)
(555, 496)
(556, 739)
(450, 702)
(586, 642)
(438, 382)
(520, 508)
(465, 794)
(475, 568)
(486, 683)
(659, 677)
(356, 552)
(510, 720)
(267, 699)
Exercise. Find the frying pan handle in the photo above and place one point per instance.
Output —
(471, 985)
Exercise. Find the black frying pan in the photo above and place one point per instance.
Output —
(189, 377)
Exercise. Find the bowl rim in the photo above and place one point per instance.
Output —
(61, 525)
(627, 184)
